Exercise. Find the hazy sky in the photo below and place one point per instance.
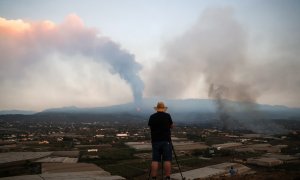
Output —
(96, 53)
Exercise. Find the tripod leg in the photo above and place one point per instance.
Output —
(177, 162)
(150, 170)
(162, 168)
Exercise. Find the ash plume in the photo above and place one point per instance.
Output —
(24, 44)
(216, 50)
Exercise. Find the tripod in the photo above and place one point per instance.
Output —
(162, 168)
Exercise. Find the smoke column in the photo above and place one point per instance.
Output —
(217, 94)
(124, 64)
(25, 43)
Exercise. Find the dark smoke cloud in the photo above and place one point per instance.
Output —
(23, 44)
(216, 49)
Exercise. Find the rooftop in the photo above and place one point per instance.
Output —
(58, 160)
(71, 167)
(21, 156)
(95, 175)
(212, 171)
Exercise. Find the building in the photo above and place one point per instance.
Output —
(214, 171)
(97, 175)
(178, 145)
(264, 161)
(227, 145)
(49, 166)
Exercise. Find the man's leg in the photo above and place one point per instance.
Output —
(154, 167)
(167, 167)
(167, 157)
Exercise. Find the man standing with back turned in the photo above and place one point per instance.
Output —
(160, 125)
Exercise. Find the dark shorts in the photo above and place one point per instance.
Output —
(162, 150)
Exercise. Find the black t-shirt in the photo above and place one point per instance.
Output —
(160, 124)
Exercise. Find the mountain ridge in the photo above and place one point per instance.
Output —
(174, 106)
